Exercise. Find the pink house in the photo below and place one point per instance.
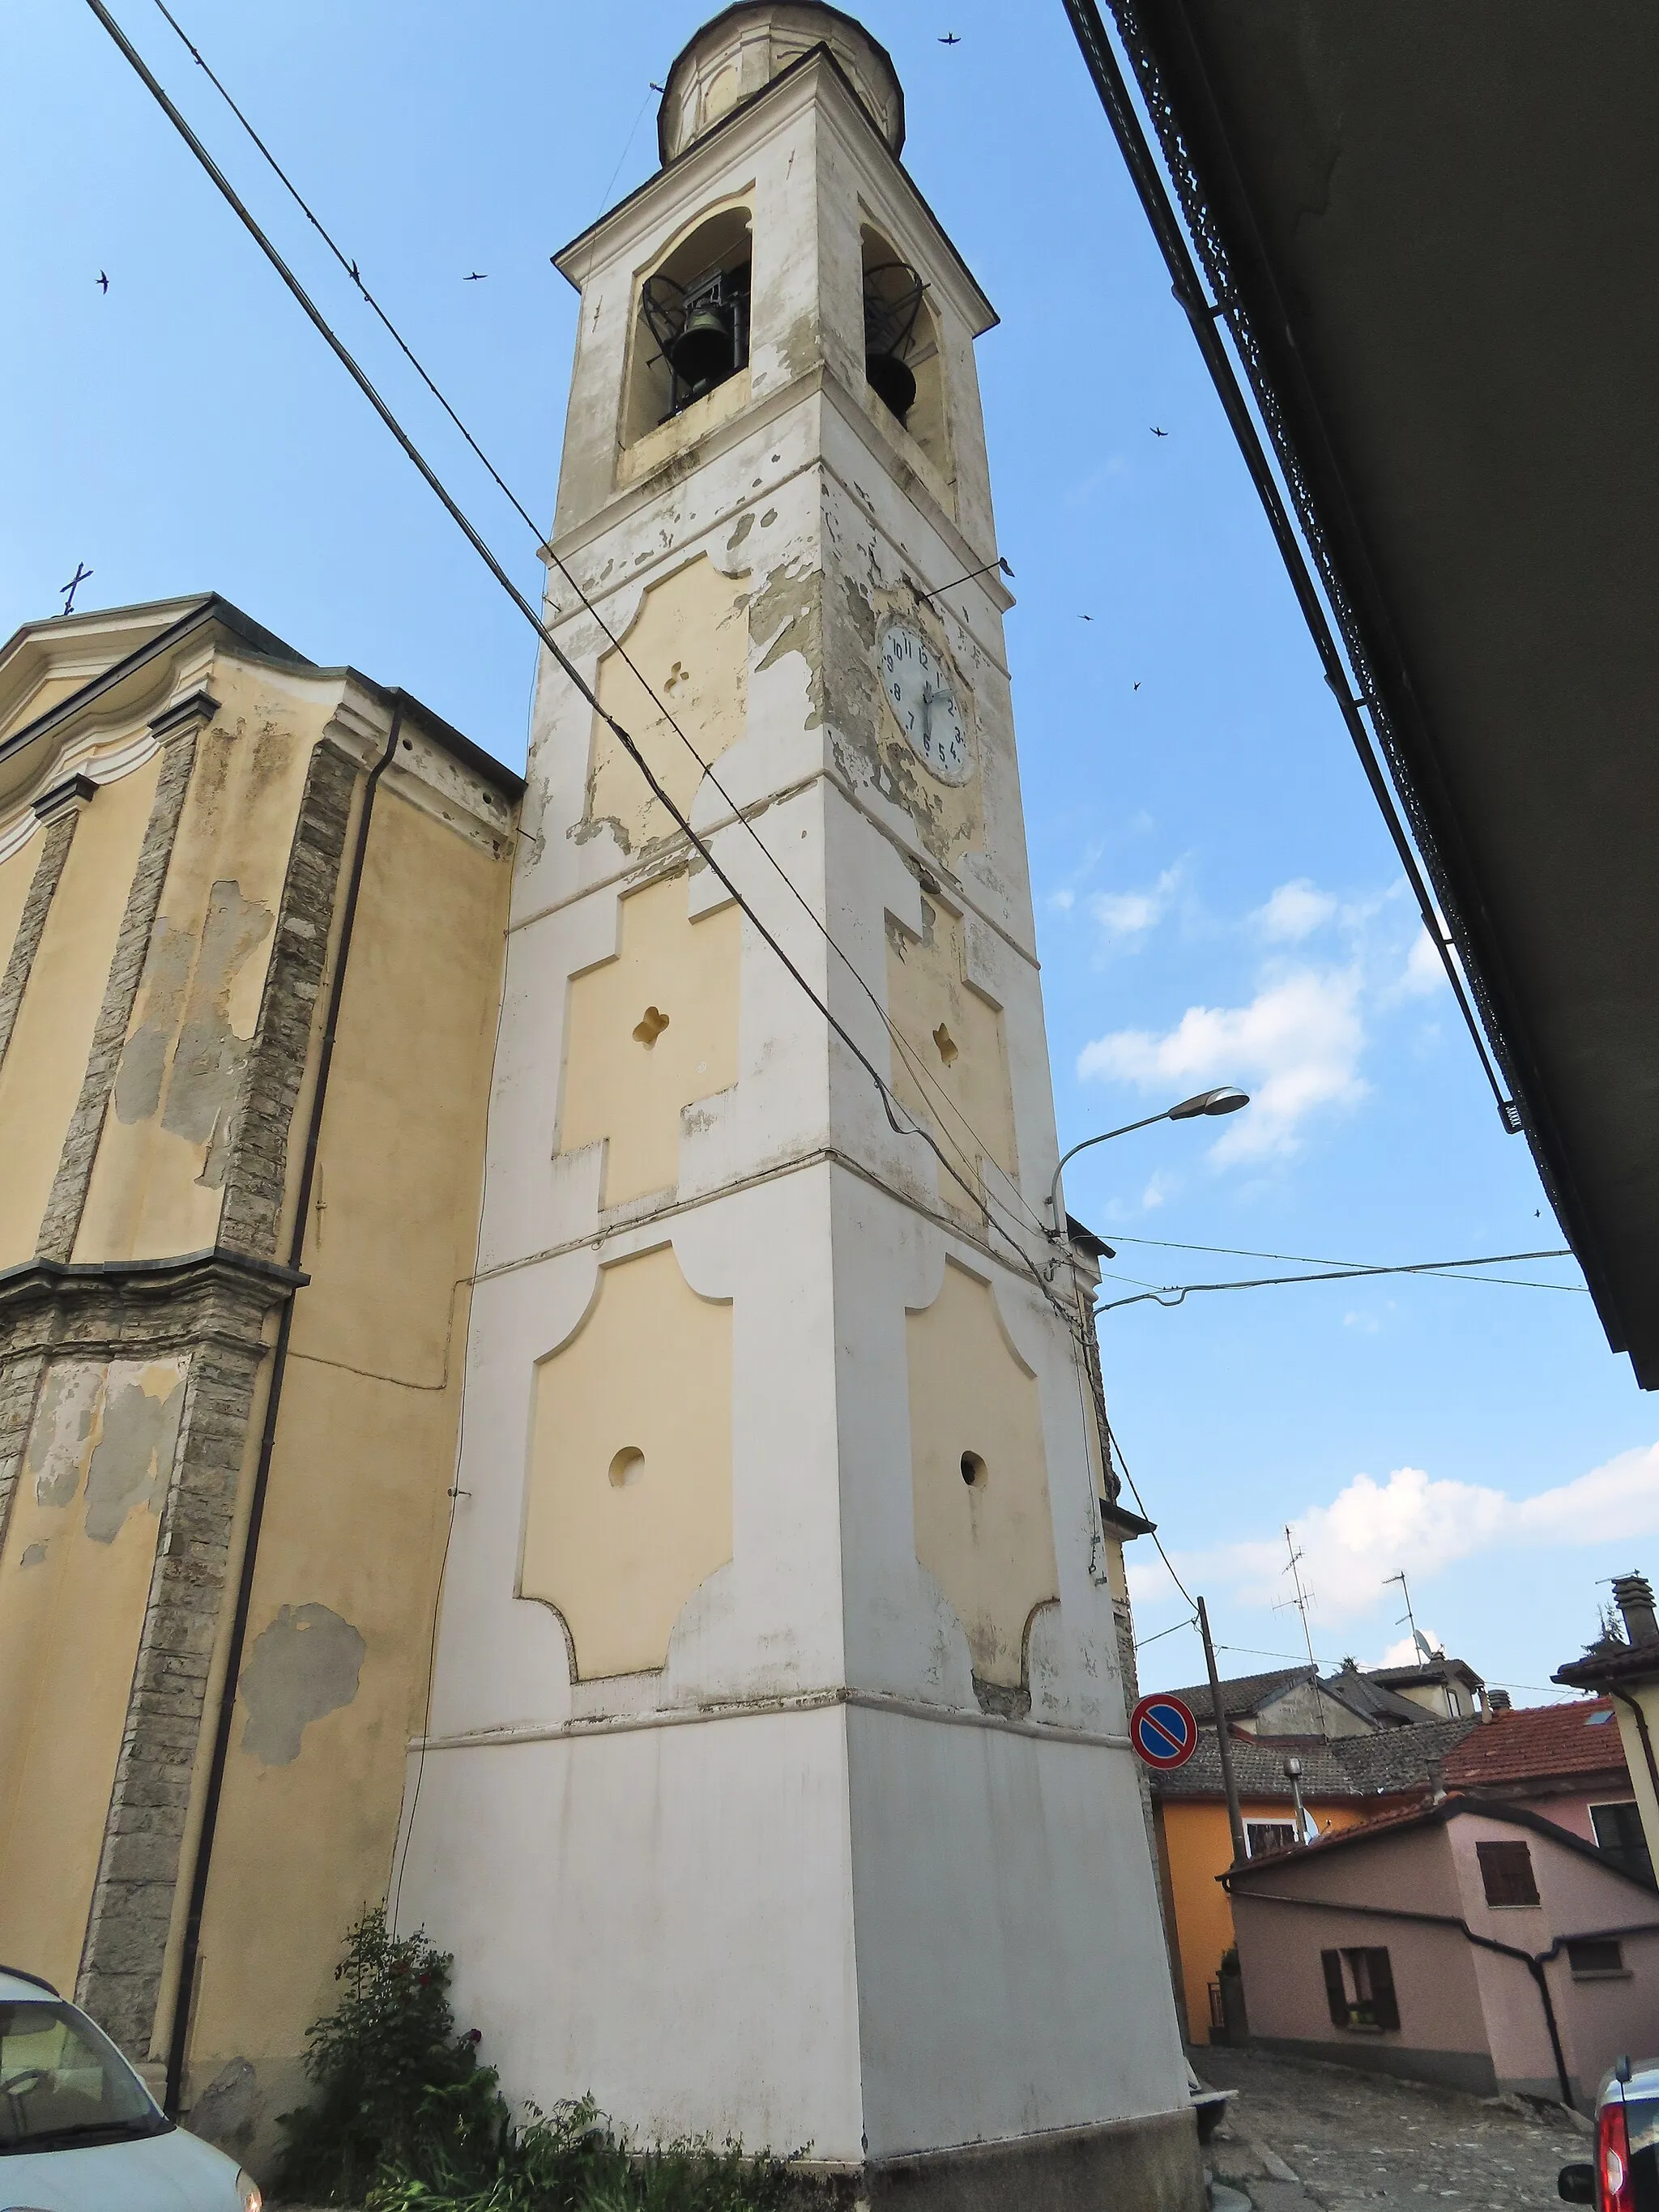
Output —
(1471, 1943)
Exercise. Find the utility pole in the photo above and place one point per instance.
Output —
(1235, 1818)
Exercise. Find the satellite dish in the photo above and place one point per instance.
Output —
(1422, 1643)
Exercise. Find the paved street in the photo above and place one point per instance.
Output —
(1300, 2135)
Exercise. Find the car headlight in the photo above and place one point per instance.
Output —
(249, 2194)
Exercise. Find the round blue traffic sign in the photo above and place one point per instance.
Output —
(1163, 1730)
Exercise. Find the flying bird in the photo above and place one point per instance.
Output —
(103, 281)
(1137, 687)
(1156, 433)
(1086, 617)
(950, 40)
(477, 278)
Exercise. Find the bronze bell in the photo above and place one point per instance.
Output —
(893, 381)
(702, 353)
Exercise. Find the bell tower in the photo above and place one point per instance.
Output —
(775, 1782)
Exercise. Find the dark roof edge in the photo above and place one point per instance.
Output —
(1216, 220)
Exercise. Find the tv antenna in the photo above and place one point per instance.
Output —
(1408, 1619)
(1301, 1601)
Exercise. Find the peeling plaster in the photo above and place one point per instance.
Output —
(133, 1458)
(184, 1039)
(63, 1422)
(305, 1664)
(35, 1554)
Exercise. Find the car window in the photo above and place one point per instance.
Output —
(62, 2078)
(1642, 2119)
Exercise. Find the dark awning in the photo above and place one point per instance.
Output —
(1435, 233)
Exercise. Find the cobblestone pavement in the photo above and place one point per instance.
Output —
(1301, 2134)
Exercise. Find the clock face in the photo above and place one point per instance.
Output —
(918, 689)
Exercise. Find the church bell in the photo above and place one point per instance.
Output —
(705, 350)
(892, 380)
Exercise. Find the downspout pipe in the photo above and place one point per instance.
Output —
(180, 2036)
(1635, 1704)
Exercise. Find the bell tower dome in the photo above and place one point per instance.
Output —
(739, 53)
(775, 1783)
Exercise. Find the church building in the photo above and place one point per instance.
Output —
(537, 1379)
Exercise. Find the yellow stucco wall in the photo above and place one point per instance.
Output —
(157, 1183)
(629, 1499)
(75, 1573)
(691, 642)
(1199, 1848)
(40, 1078)
(649, 1031)
(334, 1676)
(990, 1543)
(953, 1069)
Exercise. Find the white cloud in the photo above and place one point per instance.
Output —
(1294, 911)
(1296, 1048)
(1371, 1530)
(1063, 901)
(1424, 973)
(1131, 914)
(1405, 1653)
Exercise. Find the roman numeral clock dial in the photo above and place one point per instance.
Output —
(918, 689)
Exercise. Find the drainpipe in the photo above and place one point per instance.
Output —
(1626, 1698)
(179, 2038)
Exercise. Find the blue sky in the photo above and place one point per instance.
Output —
(1217, 899)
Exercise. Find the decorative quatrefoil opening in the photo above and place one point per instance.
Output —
(650, 1026)
(942, 1039)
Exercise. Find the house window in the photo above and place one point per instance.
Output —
(1619, 1833)
(1267, 1836)
(1596, 1958)
(1506, 1873)
(1359, 1985)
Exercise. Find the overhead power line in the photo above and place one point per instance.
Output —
(1174, 1293)
(912, 1055)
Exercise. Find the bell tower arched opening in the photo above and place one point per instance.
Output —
(901, 357)
(691, 327)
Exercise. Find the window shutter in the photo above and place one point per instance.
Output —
(1335, 1989)
(1506, 1873)
(1385, 2005)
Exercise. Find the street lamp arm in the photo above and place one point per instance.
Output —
(1224, 1100)
(1054, 1189)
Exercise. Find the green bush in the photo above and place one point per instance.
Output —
(406, 2120)
(394, 2080)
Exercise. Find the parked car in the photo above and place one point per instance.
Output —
(1625, 2175)
(79, 2131)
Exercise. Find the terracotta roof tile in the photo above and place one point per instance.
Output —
(1538, 1742)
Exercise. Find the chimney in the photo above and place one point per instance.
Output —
(1498, 1701)
(1436, 1781)
(1634, 1595)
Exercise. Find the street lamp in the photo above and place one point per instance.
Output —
(1225, 1100)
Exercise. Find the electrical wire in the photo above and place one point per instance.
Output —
(979, 1189)
(1142, 1642)
(1291, 1258)
(1174, 1294)
(1158, 1541)
(475, 539)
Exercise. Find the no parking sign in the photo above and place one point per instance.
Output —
(1163, 1731)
